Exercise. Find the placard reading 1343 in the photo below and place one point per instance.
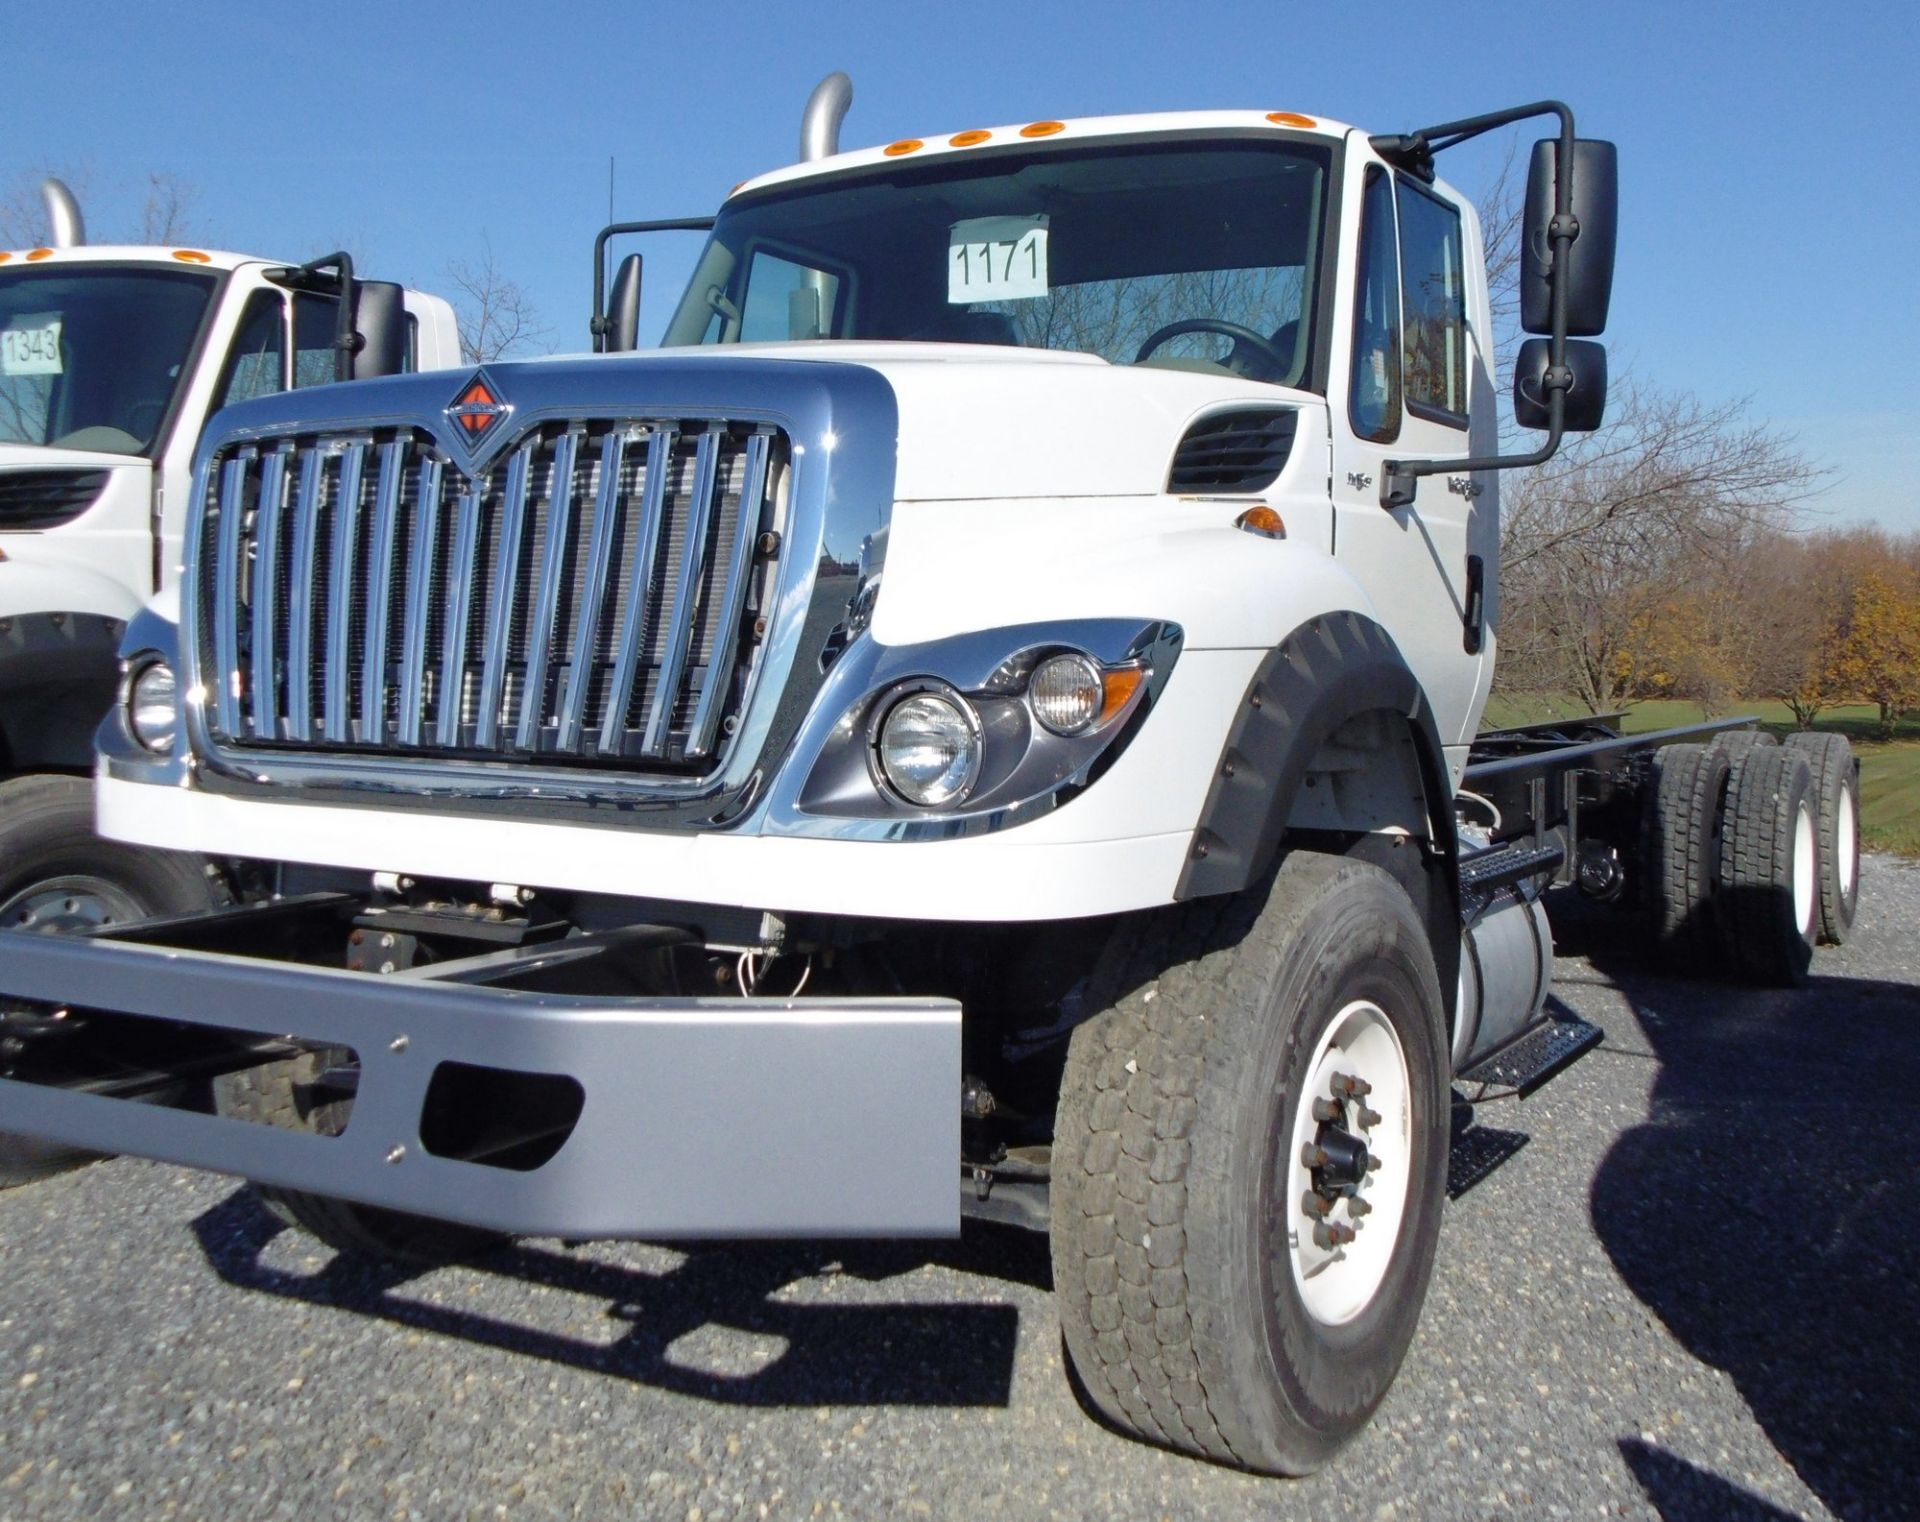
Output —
(997, 259)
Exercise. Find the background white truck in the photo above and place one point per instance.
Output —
(111, 361)
(986, 721)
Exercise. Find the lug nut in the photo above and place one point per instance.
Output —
(1368, 1118)
(1373, 1165)
(1357, 1207)
(1315, 1203)
(1331, 1234)
(1327, 1110)
(1353, 1087)
(1313, 1156)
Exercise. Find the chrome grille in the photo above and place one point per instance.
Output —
(594, 597)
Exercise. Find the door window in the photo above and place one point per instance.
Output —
(1434, 292)
(1373, 395)
(257, 366)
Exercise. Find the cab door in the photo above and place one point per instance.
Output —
(1410, 379)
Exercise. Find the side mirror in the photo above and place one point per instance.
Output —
(1586, 405)
(623, 311)
(1589, 271)
(380, 318)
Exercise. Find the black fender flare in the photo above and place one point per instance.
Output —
(59, 673)
(1329, 670)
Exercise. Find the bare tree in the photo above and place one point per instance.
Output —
(496, 316)
(168, 209)
(1610, 536)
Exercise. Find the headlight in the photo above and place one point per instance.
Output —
(929, 748)
(151, 711)
(1067, 693)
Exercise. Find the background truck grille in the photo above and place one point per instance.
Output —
(596, 596)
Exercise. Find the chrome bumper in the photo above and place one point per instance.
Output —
(701, 1117)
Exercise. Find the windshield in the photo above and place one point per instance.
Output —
(1097, 249)
(90, 355)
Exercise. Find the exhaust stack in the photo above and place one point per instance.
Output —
(68, 227)
(826, 109)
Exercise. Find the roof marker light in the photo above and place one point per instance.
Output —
(1042, 129)
(4, 257)
(192, 256)
(39, 253)
(968, 138)
(1291, 119)
(905, 145)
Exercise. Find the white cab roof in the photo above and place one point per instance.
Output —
(1040, 134)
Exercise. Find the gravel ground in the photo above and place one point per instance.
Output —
(1691, 1294)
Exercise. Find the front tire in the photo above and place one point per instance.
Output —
(58, 877)
(1190, 1286)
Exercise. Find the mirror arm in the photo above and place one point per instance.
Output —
(601, 325)
(346, 342)
(1398, 478)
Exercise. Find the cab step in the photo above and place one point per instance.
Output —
(1536, 1055)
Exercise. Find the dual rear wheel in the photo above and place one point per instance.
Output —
(1753, 852)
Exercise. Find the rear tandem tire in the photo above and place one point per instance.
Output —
(286, 1094)
(1836, 784)
(1769, 893)
(1196, 1308)
(58, 876)
(1685, 816)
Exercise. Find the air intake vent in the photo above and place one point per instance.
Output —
(32, 499)
(1233, 451)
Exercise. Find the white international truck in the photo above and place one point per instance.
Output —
(984, 721)
(111, 361)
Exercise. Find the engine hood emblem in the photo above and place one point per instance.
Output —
(477, 411)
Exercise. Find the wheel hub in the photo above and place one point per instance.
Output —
(68, 905)
(1349, 1166)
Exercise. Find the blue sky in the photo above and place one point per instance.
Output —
(1766, 152)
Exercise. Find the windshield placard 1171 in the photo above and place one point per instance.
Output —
(996, 259)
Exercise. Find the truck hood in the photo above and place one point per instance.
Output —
(980, 421)
(974, 421)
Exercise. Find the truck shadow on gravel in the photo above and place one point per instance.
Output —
(741, 1342)
(1766, 1213)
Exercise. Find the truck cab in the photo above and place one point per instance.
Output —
(112, 361)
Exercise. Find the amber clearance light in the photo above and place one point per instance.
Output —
(1291, 119)
(192, 256)
(968, 138)
(905, 145)
(1042, 129)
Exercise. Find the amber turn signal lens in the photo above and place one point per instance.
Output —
(1121, 686)
(1290, 119)
(1042, 129)
(1262, 520)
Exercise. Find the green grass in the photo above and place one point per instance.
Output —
(1889, 771)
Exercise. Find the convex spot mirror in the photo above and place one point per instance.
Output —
(380, 318)
(1589, 271)
(1586, 404)
(623, 311)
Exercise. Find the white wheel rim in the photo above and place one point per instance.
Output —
(1806, 893)
(1846, 846)
(1337, 1283)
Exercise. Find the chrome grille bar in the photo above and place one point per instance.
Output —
(586, 623)
(646, 545)
(413, 629)
(226, 591)
(500, 609)
(453, 644)
(673, 661)
(547, 602)
(266, 562)
(344, 577)
(726, 631)
(386, 522)
(306, 530)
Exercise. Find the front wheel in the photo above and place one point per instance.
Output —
(58, 877)
(1249, 1165)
